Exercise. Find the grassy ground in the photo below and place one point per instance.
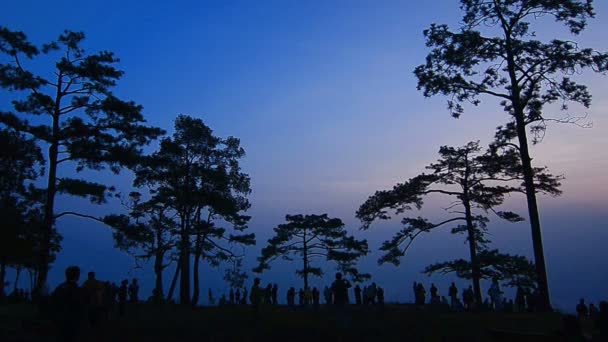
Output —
(393, 323)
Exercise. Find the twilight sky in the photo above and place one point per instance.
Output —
(324, 100)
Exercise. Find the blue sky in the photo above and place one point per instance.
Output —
(323, 98)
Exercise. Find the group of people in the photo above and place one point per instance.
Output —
(336, 294)
(70, 302)
(525, 300)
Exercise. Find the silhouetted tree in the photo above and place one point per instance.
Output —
(496, 53)
(235, 276)
(85, 126)
(147, 232)
(464, 174)
(198, 176)
(310, 237)
(20, 164)
(513, 270)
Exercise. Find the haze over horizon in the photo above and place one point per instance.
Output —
(323, 97)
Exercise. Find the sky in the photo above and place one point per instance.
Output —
(323, 97)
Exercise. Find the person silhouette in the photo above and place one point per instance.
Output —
(133, 291)
(275, 293)
(593, 311)
(339, 290)
(380, 295)
(315, 298)
(327, 295)
(434, 296)
(357, 295)
(581, 309)
(372, 291)
(122, 296)
(255, 295)
(237, 296)
(93, 297)
(495, 295)
(291, 296)
(67, 301)
(231, 297)
(244, 297)
(301, 296)
(520, 299)
(453, 293)
(420, 294)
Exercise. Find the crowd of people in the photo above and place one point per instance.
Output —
(96, 299)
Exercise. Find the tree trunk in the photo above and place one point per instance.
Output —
(158, 272)
(544, 301)
(475, 269)
(173, 282)
(197, 255)
(49, 205)
(184, 284)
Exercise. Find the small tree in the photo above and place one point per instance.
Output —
(83, 124)
(467, 176)
(311, 237)
(20, 163)
(235, 276)
(512, 270)
(147, 232)
(495, 53)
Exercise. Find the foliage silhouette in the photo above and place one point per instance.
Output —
(466, 175)
(86, 127)
(495, 53)
(198, 177)
(312, 237)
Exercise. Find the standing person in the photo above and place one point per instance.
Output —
(357, 295)
(495, 295)
(275, 293)
(93, 298)
(122, 297)
(67, 300)
(581, 309)
(380, 296)
(453, 293)
(339, 289)
(255, 295)
(301, 296)
(231, 297)
(371, 293)
(434, 295)
(133, 291)
(291, 296)
(244, 297)
(327, 295)
(315, 298)
(307, 296)
(520, 299)
(237, 297)
(421, 294)
(267, 296)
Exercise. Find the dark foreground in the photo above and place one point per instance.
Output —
(393, 323)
